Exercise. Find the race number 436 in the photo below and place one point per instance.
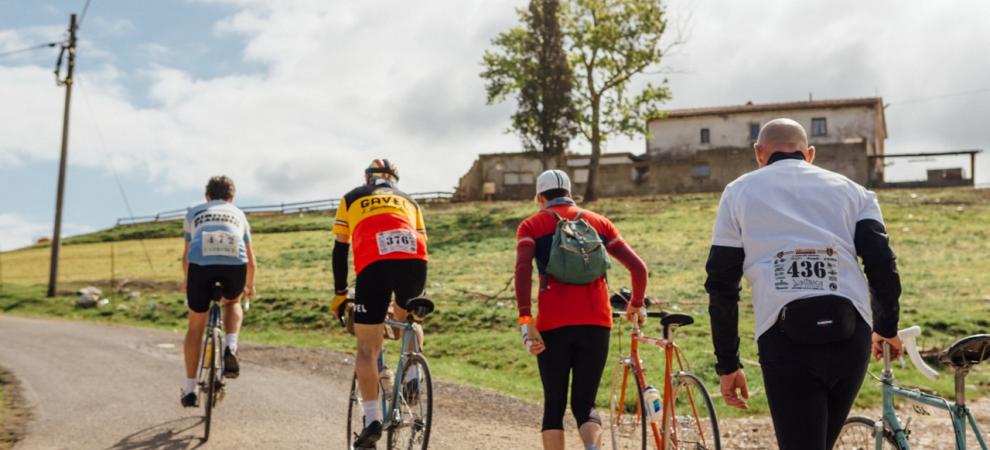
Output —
(806, 269)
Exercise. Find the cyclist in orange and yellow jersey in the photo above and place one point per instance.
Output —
(386, 229)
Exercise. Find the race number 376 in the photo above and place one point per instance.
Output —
(806, 269)
(401, 241)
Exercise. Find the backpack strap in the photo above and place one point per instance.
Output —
(554, 214)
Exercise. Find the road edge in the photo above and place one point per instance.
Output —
(14, 412)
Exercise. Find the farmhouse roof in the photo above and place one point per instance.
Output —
(875, 102)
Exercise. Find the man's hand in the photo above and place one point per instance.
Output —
(636, 315)
(896, 347)
(249, 291)
(337, 306)
(730, 384)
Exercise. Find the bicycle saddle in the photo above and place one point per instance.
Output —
(967, 351)
(420, 307)
(676, 319)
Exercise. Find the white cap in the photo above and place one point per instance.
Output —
(553, 179)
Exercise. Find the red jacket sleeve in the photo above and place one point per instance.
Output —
(525, 251)
(637, 270)
(524, 277)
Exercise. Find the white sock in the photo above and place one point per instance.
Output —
(592, 447)
(411, 374)
(190, 386)
(230, 341)
(371, 411)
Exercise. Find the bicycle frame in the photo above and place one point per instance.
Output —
(634, 363)
(958, 412)
(409, 337)
(212, 325)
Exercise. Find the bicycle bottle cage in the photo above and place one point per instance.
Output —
(968, 351)
(420, 307)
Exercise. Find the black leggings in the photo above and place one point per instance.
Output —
(811, 388)
(583, 350)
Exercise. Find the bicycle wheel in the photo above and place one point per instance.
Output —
(693, 423)
(415, 407)
(355, 412)
(859, 433)
(626, 408)
(210, 360)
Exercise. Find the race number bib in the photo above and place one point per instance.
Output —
(396, 241)
(806, 269)
(220, 243)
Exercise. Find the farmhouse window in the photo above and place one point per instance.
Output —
(705, 136)
(581, 176)
(754, 131)
(819, 127)
(701, 171)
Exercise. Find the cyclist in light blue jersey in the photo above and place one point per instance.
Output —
(218, 249)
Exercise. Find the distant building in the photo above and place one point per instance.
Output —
(702, 150)
(512, 176)
(715, 145)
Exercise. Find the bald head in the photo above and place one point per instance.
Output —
(782, 135)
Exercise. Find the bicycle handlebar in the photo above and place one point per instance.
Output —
(908, 337)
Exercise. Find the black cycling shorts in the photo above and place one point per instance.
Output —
(199, 288)
(406, 278)
(575, 354)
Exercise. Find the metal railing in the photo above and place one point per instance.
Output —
(280, 208)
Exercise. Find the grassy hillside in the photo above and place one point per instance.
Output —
(940, 236)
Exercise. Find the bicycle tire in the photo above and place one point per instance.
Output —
(414, 434)
(624, 439)
(693, 436)
(211, 385)
(861, 434)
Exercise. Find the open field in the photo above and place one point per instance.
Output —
(941, 238)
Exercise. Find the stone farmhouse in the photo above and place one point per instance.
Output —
(702, 150)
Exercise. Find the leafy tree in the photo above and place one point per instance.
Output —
(610, 42)
(530, 61)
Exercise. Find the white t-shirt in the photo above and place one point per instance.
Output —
(795, 223)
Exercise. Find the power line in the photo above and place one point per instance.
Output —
(113, 167)
(27, 49)
(83, 14)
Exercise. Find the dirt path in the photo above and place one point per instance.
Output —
(92, 386)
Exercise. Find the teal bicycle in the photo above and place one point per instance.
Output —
(407, 405)
(863, 433)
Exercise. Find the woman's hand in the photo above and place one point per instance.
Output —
(536, 345)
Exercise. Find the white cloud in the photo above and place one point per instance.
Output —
(344, 82)
(20, 231)
(347, 81)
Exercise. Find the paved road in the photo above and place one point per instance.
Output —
(93, 386)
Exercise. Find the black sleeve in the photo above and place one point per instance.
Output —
(339, 263)
(725, 270)
(880, 266)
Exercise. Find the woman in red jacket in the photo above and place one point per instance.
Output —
(571, 332)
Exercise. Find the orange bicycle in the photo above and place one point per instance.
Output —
(683, 418)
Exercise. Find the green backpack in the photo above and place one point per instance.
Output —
(577, 255)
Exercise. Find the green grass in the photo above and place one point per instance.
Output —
(940, 236)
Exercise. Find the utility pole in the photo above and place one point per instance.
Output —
(57, 233)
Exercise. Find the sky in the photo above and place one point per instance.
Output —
(293, 99)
